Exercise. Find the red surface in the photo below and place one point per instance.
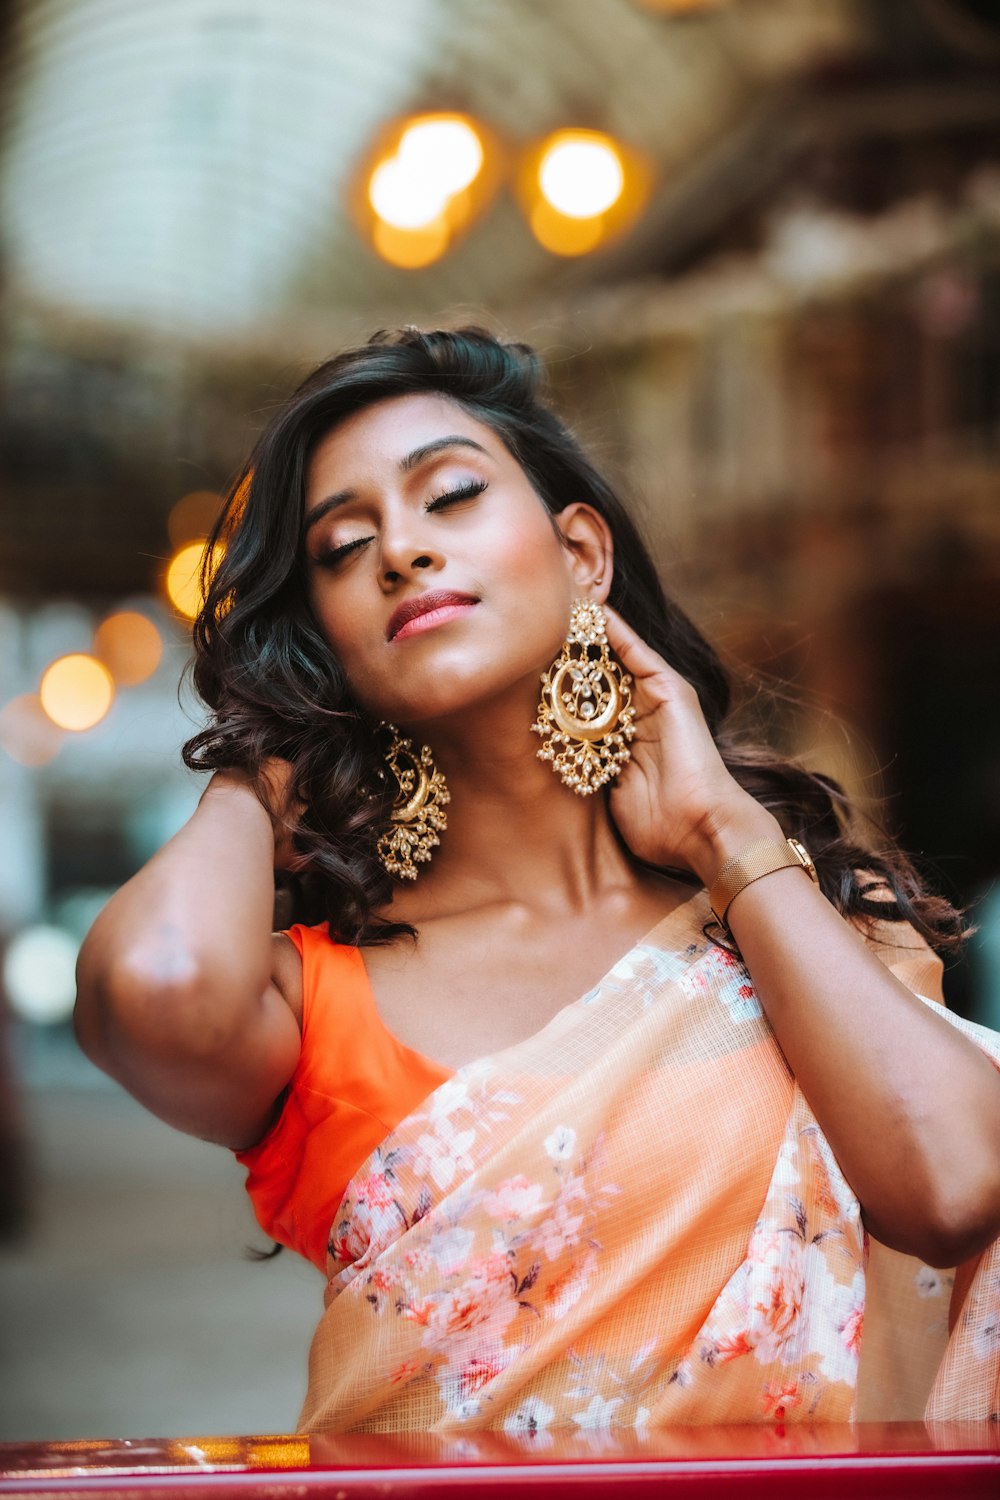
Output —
(952, 1461)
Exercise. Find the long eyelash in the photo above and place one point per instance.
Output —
(337, 554)
(465, 491)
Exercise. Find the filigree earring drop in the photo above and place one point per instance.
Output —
(585, 716)
(418, 810)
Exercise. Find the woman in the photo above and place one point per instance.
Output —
(541, 1196)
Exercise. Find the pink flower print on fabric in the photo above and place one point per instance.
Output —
(778, 1400)
(464, 1381)
(559, 1232)
(369, 1223)
(485, 1302)
(514, 1199)
(567, 1289)
(776, 1290)
(443, 1152)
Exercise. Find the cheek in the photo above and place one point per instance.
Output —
(338, 624)
(529, 554)
(538, 566)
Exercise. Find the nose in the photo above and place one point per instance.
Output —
(404, 553)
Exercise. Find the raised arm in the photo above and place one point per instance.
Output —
(910, 1106)
(183, 994)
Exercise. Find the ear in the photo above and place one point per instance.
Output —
(586, 536)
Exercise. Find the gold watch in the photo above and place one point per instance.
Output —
(763, 857)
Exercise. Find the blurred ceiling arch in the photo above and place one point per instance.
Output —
(177, 244)
(184, 165)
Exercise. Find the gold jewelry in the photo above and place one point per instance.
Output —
(762, 857)
(418, 811)
(585, 716)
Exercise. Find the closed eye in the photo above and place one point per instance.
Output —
(335, 555)
(466, 491)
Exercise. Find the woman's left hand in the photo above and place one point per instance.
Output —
(675, 801)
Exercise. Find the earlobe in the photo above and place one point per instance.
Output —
(587, 538)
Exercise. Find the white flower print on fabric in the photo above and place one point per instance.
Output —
(724, 975)
(514, 1198)
(559, 1146)
(450, 1096)
(463, 1381)
(788, 1305)
(450, 1249)
(599, 1413)
(646, 966)
(559, 1232)
(776, 1289)
(837, 1319)
(442, 1154)
(531, 1418)
(787, 1171)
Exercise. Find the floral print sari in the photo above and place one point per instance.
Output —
(632, 1218)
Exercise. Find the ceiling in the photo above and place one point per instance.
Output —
(176, 240)
(185, 165)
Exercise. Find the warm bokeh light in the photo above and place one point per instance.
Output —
(410, 248)
(130, 646)
(27, 734)
(403, 200)
(581, 173)
(76, 691)
(562, 234)
(39, 972)
(183, 577)
(446, 150)
(580, 188)
(437, 157)
(193, 516)
(426, 179)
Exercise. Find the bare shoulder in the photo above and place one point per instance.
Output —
(286, 973)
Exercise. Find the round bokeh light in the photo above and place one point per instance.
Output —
(39, 972)
(581, 174)
(183, 580)
(76, 691)
(130, 646)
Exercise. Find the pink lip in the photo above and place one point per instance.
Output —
(426, 612)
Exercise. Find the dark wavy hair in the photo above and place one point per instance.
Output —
(275, 688)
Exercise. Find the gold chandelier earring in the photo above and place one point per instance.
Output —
(418, 809)
(585, 716)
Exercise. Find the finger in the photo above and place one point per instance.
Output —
(633, 652)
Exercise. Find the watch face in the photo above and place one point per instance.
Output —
(803, 856)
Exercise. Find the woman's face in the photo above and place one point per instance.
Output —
(435, 571)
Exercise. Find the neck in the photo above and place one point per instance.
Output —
(515, 832)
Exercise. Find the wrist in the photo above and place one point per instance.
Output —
(726, 831)
(235, 790)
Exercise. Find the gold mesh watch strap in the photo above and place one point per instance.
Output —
(763, 857)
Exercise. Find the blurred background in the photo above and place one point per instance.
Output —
(758, 243)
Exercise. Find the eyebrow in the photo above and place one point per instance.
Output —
(407, 464)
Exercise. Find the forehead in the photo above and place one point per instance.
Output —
(384, 434)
